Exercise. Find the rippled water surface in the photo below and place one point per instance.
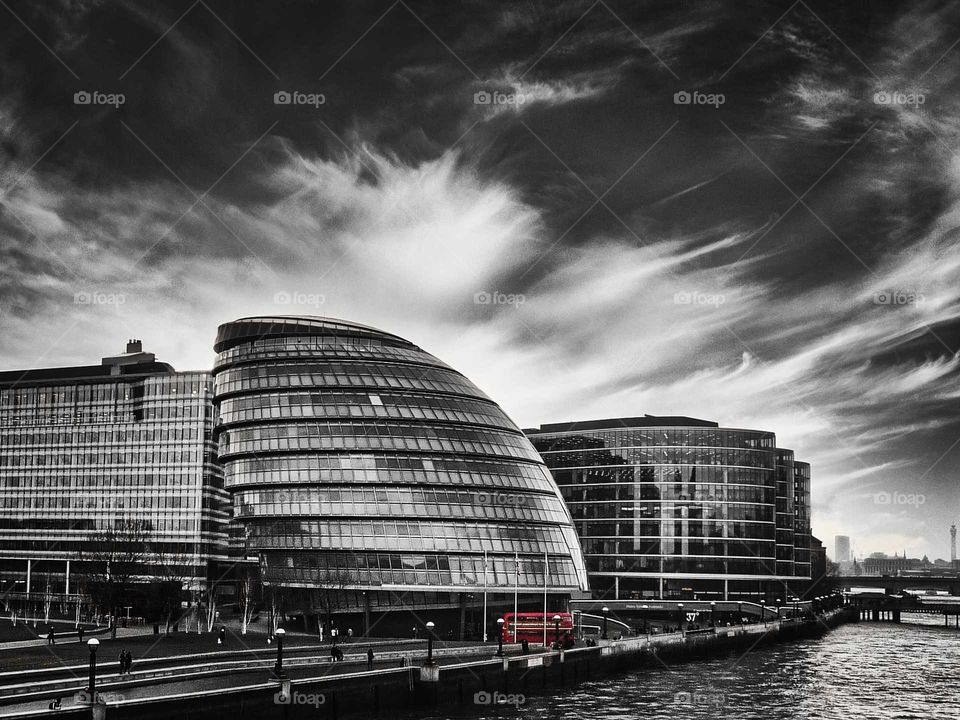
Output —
(866, 670)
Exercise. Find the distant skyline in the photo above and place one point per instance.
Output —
(742, 212)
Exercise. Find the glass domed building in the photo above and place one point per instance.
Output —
(369, 476)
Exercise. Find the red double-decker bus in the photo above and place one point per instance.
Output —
(529, 626)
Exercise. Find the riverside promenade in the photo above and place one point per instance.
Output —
(464, 676)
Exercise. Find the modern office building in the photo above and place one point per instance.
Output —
(841, 546)
(364, 468)
(801, 519)
(674, 507)
(96, 456)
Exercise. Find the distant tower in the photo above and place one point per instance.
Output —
(953, 545)
(841, 548)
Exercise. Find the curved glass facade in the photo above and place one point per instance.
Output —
(350, 453)
(674, 510)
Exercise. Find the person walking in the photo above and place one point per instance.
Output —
(369, 658)
(122, 659)
(50, 636)
(80, 633)
(349, 634)
(222, 636)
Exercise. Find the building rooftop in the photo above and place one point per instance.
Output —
(131, 362)
(621, 423)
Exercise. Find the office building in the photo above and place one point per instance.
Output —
(110, 453)
(675, 507)
(370, 476)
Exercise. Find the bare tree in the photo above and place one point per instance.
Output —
(114, 557)
(249, 589)
(330, 586)
(48, 598)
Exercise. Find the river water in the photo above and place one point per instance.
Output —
(866, 670)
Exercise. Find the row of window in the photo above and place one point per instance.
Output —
(49, 501)
(416, 536)
(690, 510)
(306, 347)
(479, 511)
(343, 436)
(698, 566)
(674, 528)
(331, 568)
(38, 457)
(662, 455)
(98, 478)
(653, 436)
(119, 434)
(367, 405)
(258, 378)
(663, 474)
(180, 384)
(699, 492)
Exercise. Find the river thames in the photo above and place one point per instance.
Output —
(864, 670)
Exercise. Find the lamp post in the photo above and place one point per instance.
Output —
(430, 627)
(605, 611)
(646, 626)
(92, 645)
(499, 637)
(278, 668)
(740, 613)
(680, 613)
(777, 601)
(713, 613)
(556, 630)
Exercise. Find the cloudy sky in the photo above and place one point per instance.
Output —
(746, 212)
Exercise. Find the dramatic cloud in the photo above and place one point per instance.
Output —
(785, 259)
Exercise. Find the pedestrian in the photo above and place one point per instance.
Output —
(320, 631)
(349, 634)
(123, 662)
(129, 661)
(50, 640)
(369, 658)
(80, 633)
(333, 653)
(221, 638)
(339, 655)
(333, 634)
(403, 661)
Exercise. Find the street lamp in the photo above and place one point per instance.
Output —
(499, 637)
(93, 644)
(713, 613)
(680, 613)
(278, 668)
(556, 628)
(430, 627)
(646, 627)
(740, 613)
(605, 610)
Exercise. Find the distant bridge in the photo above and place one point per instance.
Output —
(899, 583)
